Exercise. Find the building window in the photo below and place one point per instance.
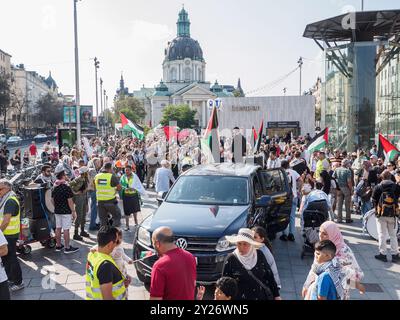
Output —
(14, 117)
(188, 73)
(173, 74)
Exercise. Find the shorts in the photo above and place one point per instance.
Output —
(63, 221)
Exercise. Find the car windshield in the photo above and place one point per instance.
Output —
(218, 190)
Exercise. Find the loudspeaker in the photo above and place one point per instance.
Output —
(39, 229)
(32, 204)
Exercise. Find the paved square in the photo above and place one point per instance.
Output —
(66, 279)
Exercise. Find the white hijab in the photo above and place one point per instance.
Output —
(249, 260)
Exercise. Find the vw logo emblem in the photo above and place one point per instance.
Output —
(181, 243)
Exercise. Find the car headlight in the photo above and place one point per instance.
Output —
(224, 245)
(144, 236)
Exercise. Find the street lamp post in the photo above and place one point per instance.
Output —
(105, 111)
(77, 95)
(97, 66)
(300, 62)
(101, 103)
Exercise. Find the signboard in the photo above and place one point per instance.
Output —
(246, 108)
(86, 114)
(214, 103)
(66, 137)
(69, 114)
(283, 125)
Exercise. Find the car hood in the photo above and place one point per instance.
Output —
(198, 220)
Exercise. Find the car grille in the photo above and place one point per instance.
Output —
(197, 244)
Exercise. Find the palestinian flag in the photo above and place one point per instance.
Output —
(211, 135)
(389, 150)
(258, 138)
(128, 125)
(319, 142)
(254, 135)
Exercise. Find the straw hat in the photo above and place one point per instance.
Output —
(244, 235)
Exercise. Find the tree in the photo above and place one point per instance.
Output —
(50, 110)
(5, 96)
(131, 107)
(19, 103)
(182, 114)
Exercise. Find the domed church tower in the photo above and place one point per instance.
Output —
(184, 62)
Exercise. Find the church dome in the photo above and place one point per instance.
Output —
(183, 46)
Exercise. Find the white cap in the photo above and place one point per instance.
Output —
(59, 168)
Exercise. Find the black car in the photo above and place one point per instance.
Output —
(209, 202)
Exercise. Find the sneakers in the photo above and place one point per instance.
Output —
(381, 257)
(59, 248)
(85, 234)
(71, 249)
(96, 228)
(395, 258)
(284, 237)
(127, 229)
(77, 237)
(16, 287)
(349, 221)
(291, 237)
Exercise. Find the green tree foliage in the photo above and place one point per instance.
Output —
(50, 110)
(182, 114)
(131, 107)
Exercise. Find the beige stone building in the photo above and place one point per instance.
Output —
(5, 62)
(27, 88)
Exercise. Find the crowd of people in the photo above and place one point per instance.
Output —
(92, 178)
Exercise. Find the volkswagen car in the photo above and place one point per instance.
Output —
(208, 203)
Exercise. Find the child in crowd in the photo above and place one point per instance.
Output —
(328, 284)
(226, 289)
(260, 235)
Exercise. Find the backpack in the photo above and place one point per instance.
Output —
(388, 203)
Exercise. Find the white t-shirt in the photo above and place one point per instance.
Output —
(272, 164)
(3, 275)
(293, 177)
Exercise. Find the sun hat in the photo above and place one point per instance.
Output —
(244, 235)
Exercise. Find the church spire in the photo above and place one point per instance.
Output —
(122, 82)
(239, 91)
(183, 24)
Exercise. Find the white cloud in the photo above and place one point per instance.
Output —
(146, 33)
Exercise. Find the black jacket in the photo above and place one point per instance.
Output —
(376, 194)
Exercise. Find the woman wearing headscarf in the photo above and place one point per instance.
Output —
(249, 267)
(352, 273)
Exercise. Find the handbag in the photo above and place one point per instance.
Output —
(266, 289)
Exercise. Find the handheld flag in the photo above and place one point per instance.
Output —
(128, 125)
(259, 138)
(389, 150)
(319, 142)
(211, 139)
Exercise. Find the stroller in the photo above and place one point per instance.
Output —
(316, 213)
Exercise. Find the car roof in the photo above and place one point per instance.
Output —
(223, 169)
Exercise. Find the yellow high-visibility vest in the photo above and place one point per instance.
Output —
(15, 222)
(104, 190)
(93, 291)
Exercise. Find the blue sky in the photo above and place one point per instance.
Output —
(256, 40)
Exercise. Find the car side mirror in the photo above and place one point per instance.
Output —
(264, 201)
(161, 197)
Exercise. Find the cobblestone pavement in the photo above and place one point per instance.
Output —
(66, 279)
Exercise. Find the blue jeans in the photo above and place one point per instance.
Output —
(93, 209)
(365, 207)
(291, 229)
